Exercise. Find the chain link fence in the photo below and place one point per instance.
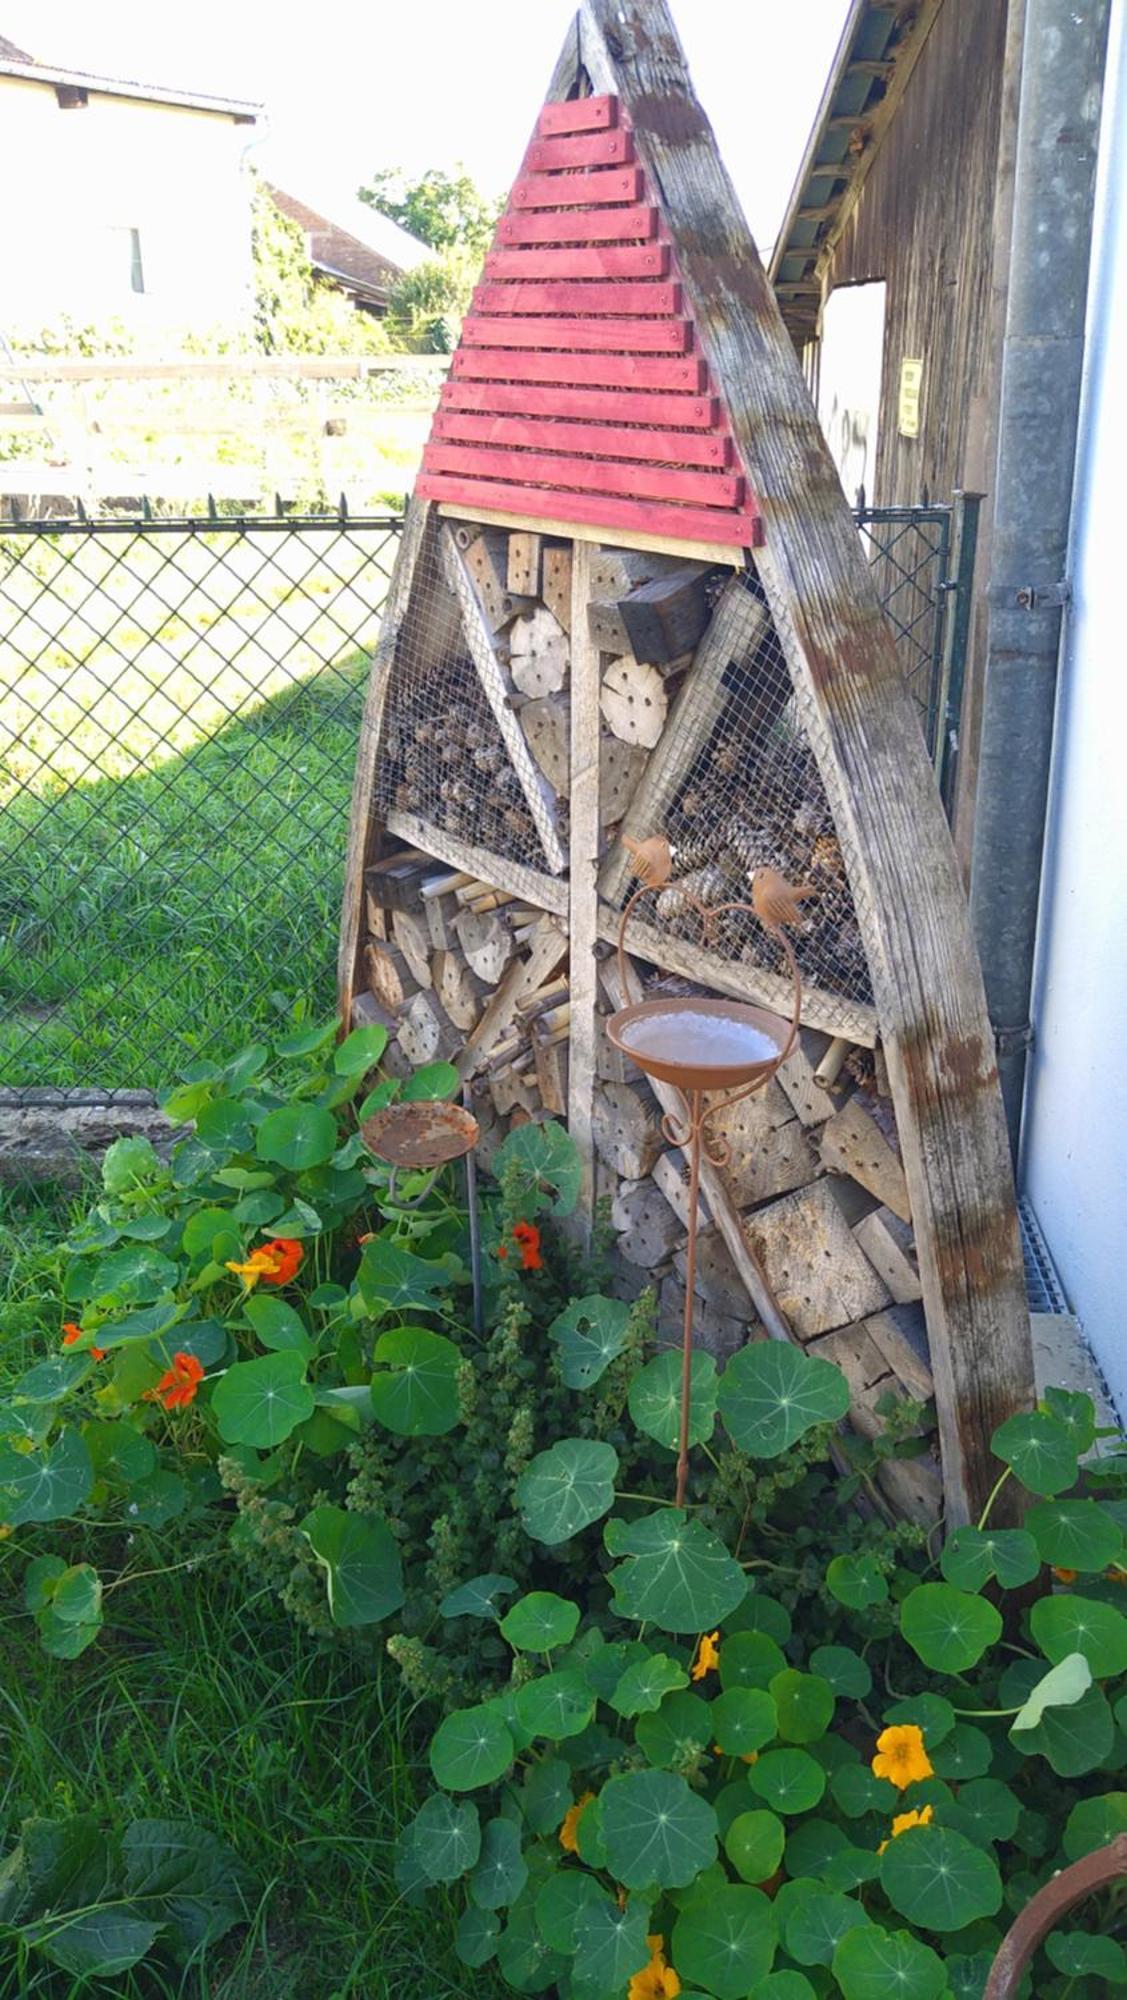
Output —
(179, 709)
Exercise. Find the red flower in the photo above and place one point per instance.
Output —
(502, 1250)
(71, 1333)
(177, 1386)
(287, 1253)
(526, 1236)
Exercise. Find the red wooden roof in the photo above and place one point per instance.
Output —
(579, 391)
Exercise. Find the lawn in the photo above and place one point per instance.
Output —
(180, 721)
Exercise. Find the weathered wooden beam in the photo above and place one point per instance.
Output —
(583, 915)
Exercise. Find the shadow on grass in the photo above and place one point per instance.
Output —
(148, 920)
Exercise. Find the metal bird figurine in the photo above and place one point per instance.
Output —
(775, 900)
(651, 860)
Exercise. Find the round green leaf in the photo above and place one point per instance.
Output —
(930, 1712)
(850, 1867)
(1059, 1688)
(446, 1837)
(855, 1791)
(260, 1402)
(566, 1487)
(297, 1136)
(546, 1795)
(610, 1943)
(984, 1809)
(361, 1558)
(62, 1640)
(872, 1964)
(656, 1831)
(743, 1720)
(783, 1986)
(415, 1393)
(676, 1574)
(966, 1752)
(676, 1734)
(525, 1960)
(47, 1484)
(41, 1580)
(726, 1940)
(478, 1597)
(278, 1326)
(303, 1041)
(1039, 1449)
(760, 1612)
(811, 1846)
(804, 1704)
(472, 1747)
(816, 1922)
(158, 1499)
(1074, 1739)
(589, 1333)
(949, 1629)
(754, 1844)
(845, 1670)
(1075, 1534)
(939, 1879)
(655, 1398)
(475, 1939)
(359, 1052)
(560, 1902)
(135, 1275)
(1063, 1625)
(432, 1082)
(224, 1127)
(501, 1871)
(1094, 1822)
(771, 1394)
(1080, 1955)
(644, 1685)
(555, 1705)
(856, 1581)
(971, 1556)
(791, 1781)
(118, 1453)
(750, 1660)
(77, 1596)
(546, 1159)
(540, 1621)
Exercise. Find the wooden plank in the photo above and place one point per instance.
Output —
(708, 489)
(578, 114)
(667, 447)
(549, 944)
(797, 1077)
(581, 149)
(611, 225)
(816, 1270)
(498, 693)
(560, 295)
(577, 336)
(712, 1187)
(739, 978)
(664, 620)
(614, 371)
(602, 406)
(542, 891)
(887, 1243)
(696, 712)
(853, 1143)
(583, 859)
(860, 720)
(583, 531)
(637, 260)
(363, 831)
(585, 190)
(524, 562)
(653, 523)
(557, 584)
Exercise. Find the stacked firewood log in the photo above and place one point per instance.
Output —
(466, 951)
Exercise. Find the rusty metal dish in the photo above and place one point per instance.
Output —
(423, 1135)
(701, 1044)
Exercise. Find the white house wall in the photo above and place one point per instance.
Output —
(1075, 1151)
(79, 181)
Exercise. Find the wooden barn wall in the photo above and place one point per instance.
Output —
(925, 224)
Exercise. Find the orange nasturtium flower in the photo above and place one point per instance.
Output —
(569, 1831)
(903, 1821)
(71, 1333)
(275, 1263)
(1065, 1575)
(655, 1981)
(177, 1386)
(526, 1236)
(901, 1756)
(1116, 1574)
(707, 1655)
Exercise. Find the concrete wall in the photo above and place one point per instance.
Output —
(78, 182)
(1075, 1147)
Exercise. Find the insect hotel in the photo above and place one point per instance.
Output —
(632, 644)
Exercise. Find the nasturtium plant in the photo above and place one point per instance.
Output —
(655, 1399)
(566, 1488)
(674, 1573)
(590, 1333)
(771, 1394)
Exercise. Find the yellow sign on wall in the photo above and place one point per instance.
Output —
(911, 381)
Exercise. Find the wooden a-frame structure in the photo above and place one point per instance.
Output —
(626, 394)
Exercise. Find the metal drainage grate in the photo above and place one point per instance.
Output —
(1041, 1281)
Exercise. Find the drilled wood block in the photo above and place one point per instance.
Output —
(852, 1143)
(887, 1243)
(815, 1269)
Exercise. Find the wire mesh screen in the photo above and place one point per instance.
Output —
(908, 549)
(180, 710)
(446, 760)
(733, 786)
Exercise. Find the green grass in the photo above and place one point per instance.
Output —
(173, 809)
(206, 1702)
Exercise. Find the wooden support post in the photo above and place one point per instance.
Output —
(583, 916)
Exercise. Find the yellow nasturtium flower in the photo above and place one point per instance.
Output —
(657, 1980)
(707, 1656)
(901, 1756)
(903, 1821)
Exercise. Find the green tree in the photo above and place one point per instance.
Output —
(425, 306)
(294, 312)
(448, 211)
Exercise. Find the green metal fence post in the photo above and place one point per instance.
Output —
(956, 630)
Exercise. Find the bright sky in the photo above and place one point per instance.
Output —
(352, 85)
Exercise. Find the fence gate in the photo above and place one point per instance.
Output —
(179, 709)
